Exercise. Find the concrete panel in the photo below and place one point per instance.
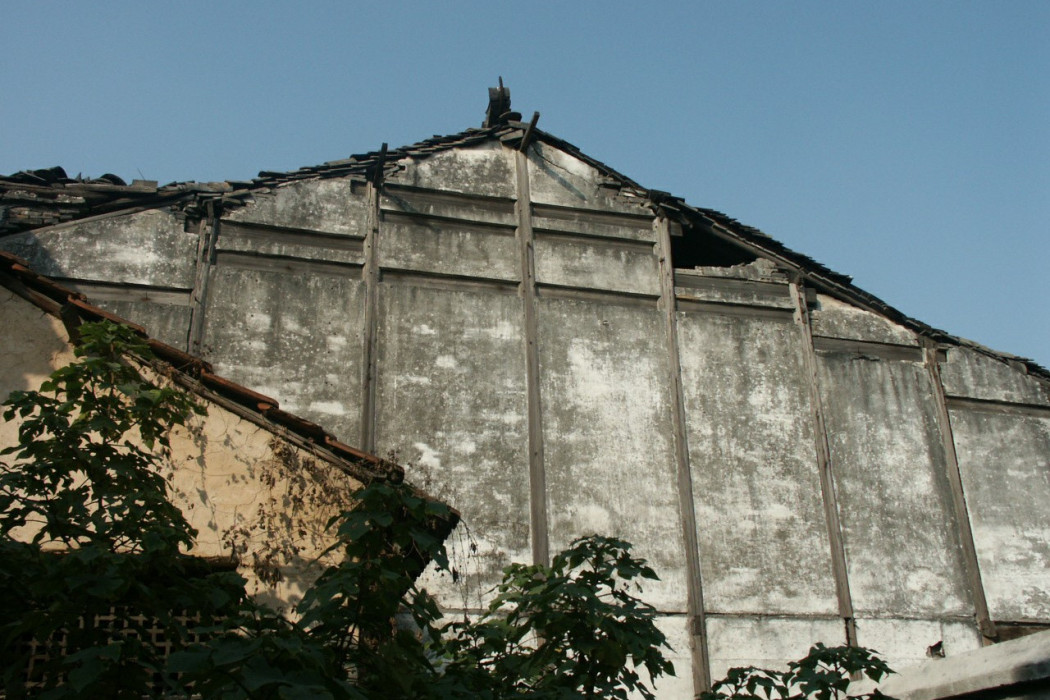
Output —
(148, 248)
(836, 319)
(253, 238)
(680, 685)
(451, 401)
(579, 262)
(1005, 464)
(295, 337)
(557, 178)
(975, 375)
(486, 169)
(902, 551)
(333, 205)
(904, 643)
(449, 248)
(607, 434)
(766, 642)
(760, 519)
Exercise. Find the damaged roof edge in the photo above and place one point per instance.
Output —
(194, 199)
(197, 376)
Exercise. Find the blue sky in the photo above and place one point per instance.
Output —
(904, 143)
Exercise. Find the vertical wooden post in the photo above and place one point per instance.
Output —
(827, 483)
(537, 470)
(370, 277)
(958, 497)
(669, 306)
(207, 233)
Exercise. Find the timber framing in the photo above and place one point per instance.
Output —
(539, 527)
(694, 579)
(823, 454)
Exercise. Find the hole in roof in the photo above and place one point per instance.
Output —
(696, 247)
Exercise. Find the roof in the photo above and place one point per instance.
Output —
(32, 199)
(197, 375)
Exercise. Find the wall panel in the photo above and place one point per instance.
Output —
(451, 401)
(902, 552)
(293, 335)
(760, 519)
(1004, 460)
(607, 433)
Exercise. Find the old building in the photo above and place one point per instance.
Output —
(557, 350)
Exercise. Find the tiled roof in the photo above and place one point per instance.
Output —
(196, 374)
(45, 197)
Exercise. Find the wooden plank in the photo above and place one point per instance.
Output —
(631, 245)
(537, 469)
(207, 233)
(298, 236)
(370, 275)
(285, 263)
(438, 280)
(969, 403)
(958, 498)
(605, 296)
(394, 215)
(103, 291)
(694, 581)
(823, 454)
(771, 313)
(884, 351)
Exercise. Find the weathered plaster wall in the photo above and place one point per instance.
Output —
(607, 434)
(760, 520)
(837, 319)
(138, 266)
(1004, 459)
(560, 179)
(252, 494)
(903, 643)
(147, 248)
(486, 170)
(330, 206)
(901, 544)
(451, 403)
(293, 334)
(970, 374)
(766, 641)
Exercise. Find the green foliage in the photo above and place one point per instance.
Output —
(84, 482)
(824, 674)
(573, 629)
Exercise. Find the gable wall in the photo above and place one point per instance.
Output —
(511, 327)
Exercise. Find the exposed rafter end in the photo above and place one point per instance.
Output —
(529, 132)
(377, 168)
